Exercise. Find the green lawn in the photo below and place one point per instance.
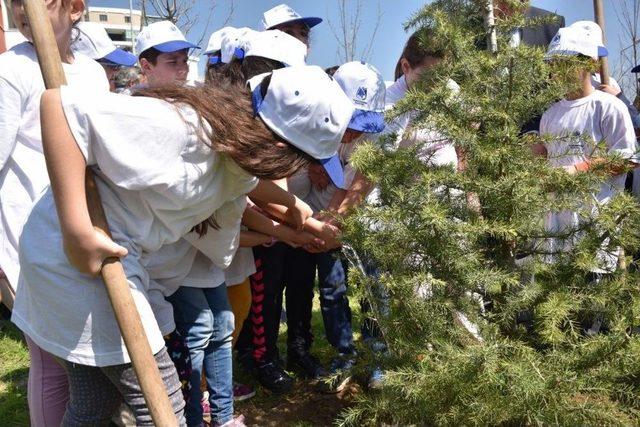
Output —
(302, 407)
(14, 366)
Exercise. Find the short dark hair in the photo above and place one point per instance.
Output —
(150, 55)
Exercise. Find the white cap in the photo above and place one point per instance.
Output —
(232, 43)
(365, 87)
(306, 107)
(163, 36)
(215, 41)
(276, 45)
(94, 42)
(579, 38)
(283, 14)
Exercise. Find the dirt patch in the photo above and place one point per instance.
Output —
(303, 406)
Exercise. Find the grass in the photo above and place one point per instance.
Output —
(14, 368)
(302, 407)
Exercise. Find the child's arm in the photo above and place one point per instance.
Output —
(356, 194)
(85, 247)
(297, 211)
(249, 239)
(260, 223)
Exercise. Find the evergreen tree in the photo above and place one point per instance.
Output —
(453, 268)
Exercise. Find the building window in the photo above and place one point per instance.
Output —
(127, 20)
(103, 18)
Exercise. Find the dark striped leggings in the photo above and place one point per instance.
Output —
(97, 392)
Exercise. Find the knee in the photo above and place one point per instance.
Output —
(225, 325)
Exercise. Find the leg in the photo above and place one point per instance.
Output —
(217, 357)
(300, 280)
(336, 312)
(273, 260)
(47, 389)
(93, 399)
(261, 329)
(240, 300)
(124, 378)
(194, 321)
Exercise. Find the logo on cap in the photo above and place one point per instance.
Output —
(361, 93)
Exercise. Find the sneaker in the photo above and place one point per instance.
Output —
(242, 392)
(308, 365)
(376, 380)
(206, 407)
(340, 370)
(274, 378)
(236, 422)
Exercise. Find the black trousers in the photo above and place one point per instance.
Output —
(259, 335)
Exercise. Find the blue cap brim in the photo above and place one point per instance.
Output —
(334, 168)
(367, 121)
(636, 69)
(122, 57)
(310, 21)
(175, 46)
(602, 51)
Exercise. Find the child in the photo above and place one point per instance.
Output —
(94, 42)
(597, 116)
(287, 20)
(364, 85)
(152, 197)
(163, 53)
(23, 173)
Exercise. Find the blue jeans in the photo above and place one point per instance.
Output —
(204, 318)
(336, 313)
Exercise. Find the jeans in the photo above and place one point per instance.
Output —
(334, 304)
(204, 318)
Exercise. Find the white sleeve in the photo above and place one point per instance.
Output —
(10, 110)
(136, 142)
(221, 244)
(618, 132)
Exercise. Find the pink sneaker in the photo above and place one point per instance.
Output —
(242, 392)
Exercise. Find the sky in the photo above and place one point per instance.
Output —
(390, 37)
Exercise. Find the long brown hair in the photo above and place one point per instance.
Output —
(234, 130)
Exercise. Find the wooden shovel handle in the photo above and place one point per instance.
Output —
(115, 280)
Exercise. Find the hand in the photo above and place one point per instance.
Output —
(571, 170)
(298, 214)
(331, 236)
(610, 89)
(318, 176)
(87, 252)
(304, 239)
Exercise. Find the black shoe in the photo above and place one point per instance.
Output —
(274, 378)
(308, 365)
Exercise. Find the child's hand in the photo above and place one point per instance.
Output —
(303, 239)
(88, 252)
(318, 176)
(298, 214)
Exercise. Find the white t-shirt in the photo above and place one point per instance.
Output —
(153, 192)
(242, 266)
(23, 173)
(435, 149)
(599, 117)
